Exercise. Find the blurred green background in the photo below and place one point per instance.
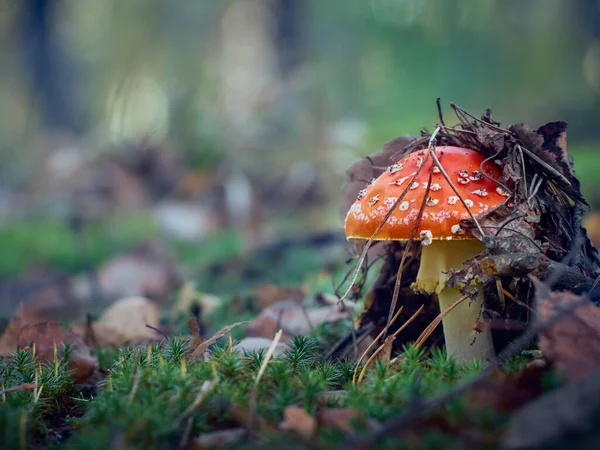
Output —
(260, 104)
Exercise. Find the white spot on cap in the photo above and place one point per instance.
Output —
(456, 229)
(501, 191)
(480, 192)
(463, 180)
(469, 203)
(399, 181)
(373, 181)
(362, 193)
(431, 201)
(435, 187)
(453, 199)
(373, 200)
(403, 206)
(395, 168)
(414, 185)
(463, 173)
(426, 237)
(425, 183)
(435, 169)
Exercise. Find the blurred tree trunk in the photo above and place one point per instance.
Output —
(47, 65)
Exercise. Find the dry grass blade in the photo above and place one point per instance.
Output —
(383, 346)
(372, 344)
(20, 387)
(204, 391)
(203, 347)
(261, 371)
(433, 325)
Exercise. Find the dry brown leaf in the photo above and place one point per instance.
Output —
(81, 364)
(125, 321)
(269, 294)
(298, 420)
(195, 329)
(506, 392)
(216, 439)
(573, 342)
(24, 315)
(203, 347)
(344, 419)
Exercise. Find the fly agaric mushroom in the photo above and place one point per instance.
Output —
(445, 245)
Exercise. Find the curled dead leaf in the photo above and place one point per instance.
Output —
(125, 321)
(573, 341)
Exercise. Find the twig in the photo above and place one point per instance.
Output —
(435, 322)
(366, 352)
(545, 165)
(382, 346)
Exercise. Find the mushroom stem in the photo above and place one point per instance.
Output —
(462, 341)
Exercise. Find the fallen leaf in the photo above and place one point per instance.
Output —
(203, 347)
(269, 294)
(216, 439)
(125, 321)
(195, 329)
(9, 339)
(344, 419)
(81, 364)
(564, 418)
(298, 420)
(573, 342)
(506, 391)
(294, 319)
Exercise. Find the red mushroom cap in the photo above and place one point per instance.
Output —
(443, 208)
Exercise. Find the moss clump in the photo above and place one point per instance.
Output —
(146, 400)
